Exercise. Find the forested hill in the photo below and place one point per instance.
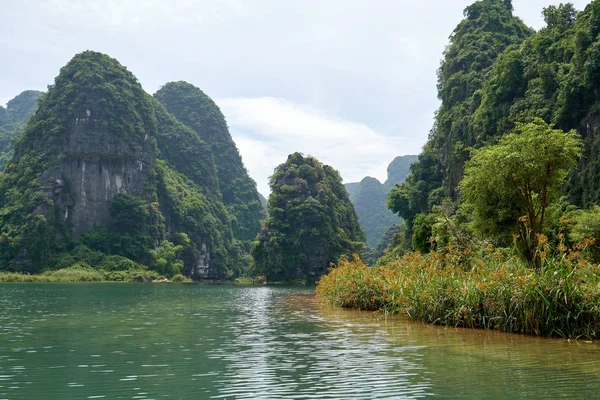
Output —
(496, 73)
(12, 120)
(311, 223)
(369, 197)
(199, 112)
(104, 176)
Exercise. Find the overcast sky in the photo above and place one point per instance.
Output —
(352, 83)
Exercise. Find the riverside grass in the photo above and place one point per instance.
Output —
(79, 273)
(493, 291)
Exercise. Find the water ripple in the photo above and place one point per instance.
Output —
(225, 342)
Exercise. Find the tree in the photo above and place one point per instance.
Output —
(561, 17)
(509, 186)
(165, 259)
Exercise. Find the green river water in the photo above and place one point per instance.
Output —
(197, 341)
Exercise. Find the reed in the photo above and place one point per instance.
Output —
(491, 290)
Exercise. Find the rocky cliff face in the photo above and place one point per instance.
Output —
(89, 157)
(97, 164)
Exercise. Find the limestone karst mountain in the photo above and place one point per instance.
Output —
(369, 197)
(103, 165)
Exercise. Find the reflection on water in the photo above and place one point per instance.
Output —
(85, 341)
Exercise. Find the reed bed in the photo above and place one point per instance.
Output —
(491, 291)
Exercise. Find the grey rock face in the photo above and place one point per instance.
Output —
(97, 164)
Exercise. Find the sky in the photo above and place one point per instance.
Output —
(352, 83)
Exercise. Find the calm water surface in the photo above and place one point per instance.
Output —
(135, 341)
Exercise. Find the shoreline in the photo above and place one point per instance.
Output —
(560, 300)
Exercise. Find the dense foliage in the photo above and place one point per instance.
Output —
(197, 111)
(550, 75)
(311, 222)
(164, 210)
(502, 152)
(510, 185)
(488, 290)
(12, 120)
(29, 216)
(489, 28)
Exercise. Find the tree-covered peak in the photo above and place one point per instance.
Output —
(22, 107)
(487, 7)
(194, 108)
(311, 222)
(94, 90)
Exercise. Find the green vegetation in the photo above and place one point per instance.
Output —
(498, 243)
(488, 90)
(374, 217)
(198, 112)
(510, 185)
(369, 200)
(12, 120)
(205, 223)
(489, 28)
(488, 290)
(311, 223)
(104, 178)
(84, 273)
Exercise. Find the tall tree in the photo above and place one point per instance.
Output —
(509, 186)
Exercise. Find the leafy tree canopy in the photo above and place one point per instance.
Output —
(510, 185)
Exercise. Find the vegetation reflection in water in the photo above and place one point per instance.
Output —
(221, 341)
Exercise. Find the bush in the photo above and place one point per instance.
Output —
(587, 226)
(118, 263)
(180, 278)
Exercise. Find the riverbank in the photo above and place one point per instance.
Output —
(562, 299)
(88, 274)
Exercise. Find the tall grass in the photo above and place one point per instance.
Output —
(492, 291)
(82, 273)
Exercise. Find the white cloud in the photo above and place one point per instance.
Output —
(267, 129)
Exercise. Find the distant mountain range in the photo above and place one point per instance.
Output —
(369, 196)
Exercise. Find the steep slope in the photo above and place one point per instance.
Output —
(374, 217)
(369, 199)
(553, 75)
(86, 173)
(91, 139)
(12, 120)
(197, 111)
(191, 201)
(311, 222)
(398, 170)
(488, 29)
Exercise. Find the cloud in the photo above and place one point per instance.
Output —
(267, 129)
